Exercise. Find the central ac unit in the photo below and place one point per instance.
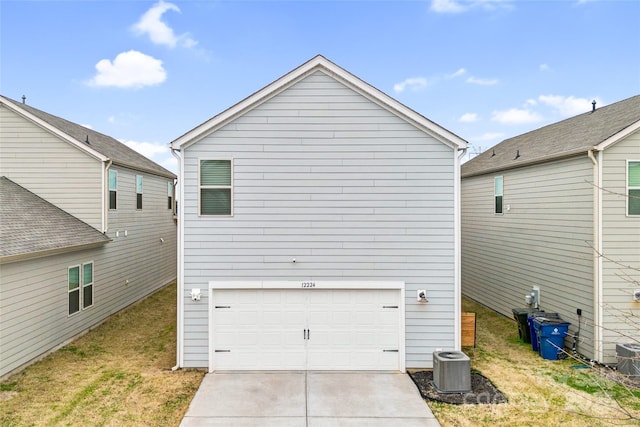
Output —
(451, 372)
(629, 359)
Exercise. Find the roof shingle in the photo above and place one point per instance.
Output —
(565, 138)
(31, 226)
(116, 151)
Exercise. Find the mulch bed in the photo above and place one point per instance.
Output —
(483, 391)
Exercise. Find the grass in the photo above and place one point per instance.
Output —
(540, 392)
(118, 374)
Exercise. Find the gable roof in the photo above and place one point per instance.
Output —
(320, 63)
(594, 130)
(100, 146)
(33, 227)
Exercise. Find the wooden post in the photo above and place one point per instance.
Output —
(468, 329)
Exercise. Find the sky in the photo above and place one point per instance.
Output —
(146, 72)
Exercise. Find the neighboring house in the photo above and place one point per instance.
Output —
(558, 209)
(87, 229)
(311, 214)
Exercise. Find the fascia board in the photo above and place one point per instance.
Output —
(39, 254)
(320, 63)
(634, 127)
(52, 129)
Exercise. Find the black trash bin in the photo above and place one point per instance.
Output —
(521, 315)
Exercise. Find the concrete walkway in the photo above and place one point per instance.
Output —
(308, 399)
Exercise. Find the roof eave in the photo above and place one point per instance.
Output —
(39, 254)
(545, 159)
(309, 67)
(613, 139)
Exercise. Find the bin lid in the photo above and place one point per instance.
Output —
(550, 321)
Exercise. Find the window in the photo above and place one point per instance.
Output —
(633, 188)
(87, 285)
(498, 194)
(216, 188)
(74, 289)
(113, 189)
(80, 281)
(138, 191)
(170, 195)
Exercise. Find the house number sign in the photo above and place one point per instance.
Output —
(308, 284)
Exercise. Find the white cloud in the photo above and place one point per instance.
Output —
(458, 73)
(129, 69)
(170, 163)
(87, 126)
(159, 32)
(568, 105)
(414, 84)
(460, 6)
(515, 116)
(544, 67)
(147, 149)
(447, 6)
(482, 82)
(490, 136)
(468, 118)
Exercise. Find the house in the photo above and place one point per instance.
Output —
(87, 229)
(318, 230)
(556, 210)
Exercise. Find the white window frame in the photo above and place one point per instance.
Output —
(230, 187)
(84, 285)
(139, 177)
(628, 187)
(495, 195)
(110, 190)
(170, 190)
(78, 289)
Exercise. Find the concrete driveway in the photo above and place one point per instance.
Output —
(308, 399)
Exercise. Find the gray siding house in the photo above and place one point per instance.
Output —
(557, 209)
(87, 229)
(313, 215)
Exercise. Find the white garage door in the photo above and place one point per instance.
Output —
(306, 329)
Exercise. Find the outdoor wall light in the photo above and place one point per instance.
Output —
(195, 294)
(422, 295)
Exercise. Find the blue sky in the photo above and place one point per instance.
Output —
(145, 72)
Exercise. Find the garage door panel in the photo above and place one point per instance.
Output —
(265, 329)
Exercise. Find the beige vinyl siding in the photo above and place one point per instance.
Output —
(620, 243)
(542, 240)
(350, 190)
(137, 255)
(34, 305)
(51, 167)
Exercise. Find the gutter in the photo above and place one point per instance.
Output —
(180, 275)
(457, 315)
(544, 159)
(105, 194)
(598, 315)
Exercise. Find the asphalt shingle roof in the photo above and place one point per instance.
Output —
(116, 151)
(29, 225)
(568, 137)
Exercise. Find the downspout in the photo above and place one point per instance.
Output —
(457, 253)
(105, 195)
(180, 278)
(596, 159)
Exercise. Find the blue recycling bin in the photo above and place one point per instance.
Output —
(532, 329)
(550, 334)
